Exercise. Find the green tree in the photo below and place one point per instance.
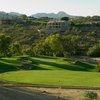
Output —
(23, 17)
(65, 18)
(5, 41)
(39, 49)
(54, 42)
(71, 44)
(94, 51)
(16, 48)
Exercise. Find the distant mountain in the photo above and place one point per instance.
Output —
(38, 15)
(9, 15)
(53, 15)
(15, 14)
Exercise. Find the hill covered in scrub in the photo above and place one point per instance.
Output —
(82, 34)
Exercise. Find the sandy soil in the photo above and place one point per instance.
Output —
(20, 93)
(67, 94)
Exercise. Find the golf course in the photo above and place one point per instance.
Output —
(50, 71)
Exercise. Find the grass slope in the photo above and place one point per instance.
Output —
(44, 63)
(50, 71)
(8, 64)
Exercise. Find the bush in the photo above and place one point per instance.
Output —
(26, 63)
(90, 95)
(98, 67)
(94, 51)
(66, 54)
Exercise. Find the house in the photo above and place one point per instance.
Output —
(56, 26)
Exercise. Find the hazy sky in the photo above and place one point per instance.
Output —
(73, 7)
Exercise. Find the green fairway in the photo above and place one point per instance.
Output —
(9, 64)
(45, 63)
(54, 78)
(50, 71)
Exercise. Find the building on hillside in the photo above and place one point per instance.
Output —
(57, 26)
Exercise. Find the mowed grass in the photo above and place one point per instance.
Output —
(44, 63)
(50, 71)
(9, 64)
(54, 78)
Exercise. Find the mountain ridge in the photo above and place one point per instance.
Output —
(37, 15)
(53, 15)
(10, 15)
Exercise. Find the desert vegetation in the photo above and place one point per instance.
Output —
(55, 59)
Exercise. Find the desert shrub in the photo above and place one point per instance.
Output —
(90, 95)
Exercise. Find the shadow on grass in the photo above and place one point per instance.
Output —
(73, 67)
(12, 62)
(36, 67)
(84, 65)
(14, 65)
(7, 67)
(10, 65)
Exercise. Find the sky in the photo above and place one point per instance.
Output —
(72, 7)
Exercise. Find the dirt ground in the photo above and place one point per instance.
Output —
(67, 94)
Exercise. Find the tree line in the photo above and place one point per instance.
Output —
(53, 45)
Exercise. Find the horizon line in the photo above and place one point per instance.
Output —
(47, 13)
